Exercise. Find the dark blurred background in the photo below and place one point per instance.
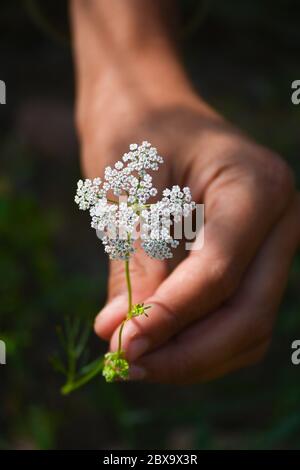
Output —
(243, 57)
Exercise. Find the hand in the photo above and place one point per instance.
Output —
(215, 311)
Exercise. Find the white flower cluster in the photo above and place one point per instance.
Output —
(157, 240)
(118, 220)
(130, 175)
(87, 193)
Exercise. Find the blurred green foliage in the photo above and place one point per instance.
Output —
(243, 60)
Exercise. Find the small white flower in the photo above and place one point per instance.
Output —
(87, 193)
(119, 165)
(146, 144)
(133, 146)
(153, 192)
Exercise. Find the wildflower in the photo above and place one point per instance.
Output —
(115, 366)
(118, 220)
(138, 310)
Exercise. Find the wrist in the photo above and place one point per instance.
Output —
(127, 48)
(155, 82)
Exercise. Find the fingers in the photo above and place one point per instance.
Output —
(244, 359)
(146, 275)
(208, 277)
(221, 342)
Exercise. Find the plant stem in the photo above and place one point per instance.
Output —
(129, 289)
(120, 336)
(74, 384)
(72, 366)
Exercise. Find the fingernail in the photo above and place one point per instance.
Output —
(137, 373)
(137, 347)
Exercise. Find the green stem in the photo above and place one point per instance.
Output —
(120, 335)
(129, 289)
(72, 366)
(73, 385)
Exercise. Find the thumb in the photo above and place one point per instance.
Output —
(146, 275)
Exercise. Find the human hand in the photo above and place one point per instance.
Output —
(214, 312)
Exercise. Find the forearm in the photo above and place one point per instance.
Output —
(127, 44)
(130, 82)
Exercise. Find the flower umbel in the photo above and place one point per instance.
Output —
(115, 366)
(118, 206)
(117, 220)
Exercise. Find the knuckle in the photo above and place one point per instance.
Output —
(223, 278)
(172, 317)
(278, 175)
(166, 322)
